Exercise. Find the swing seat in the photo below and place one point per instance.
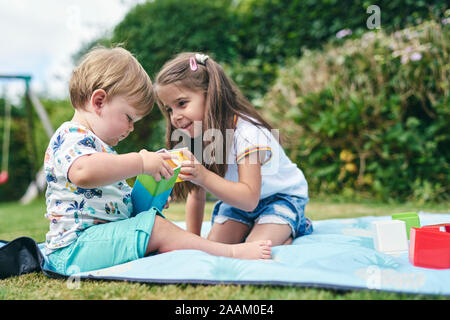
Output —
(3, 177)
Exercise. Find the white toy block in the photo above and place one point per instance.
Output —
(389, 236)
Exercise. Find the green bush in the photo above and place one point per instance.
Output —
(22, 162)
(271, 31)
(252, 38)
(370, 115)
(19, 154)
(155, 31)
(276, 29)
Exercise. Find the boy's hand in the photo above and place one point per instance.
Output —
(192, 170)
(154, 164)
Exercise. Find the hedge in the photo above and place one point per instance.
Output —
(370, 116)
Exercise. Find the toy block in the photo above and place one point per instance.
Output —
(148, 193)
(389, 236)
(429, 246)
(180, 158)
(411, 220)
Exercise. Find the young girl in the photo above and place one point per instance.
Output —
(262, 194)
(88, 200)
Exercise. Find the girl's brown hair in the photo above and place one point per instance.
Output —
(223, 101)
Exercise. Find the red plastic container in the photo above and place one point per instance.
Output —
(429, 246)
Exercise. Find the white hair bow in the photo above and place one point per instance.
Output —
(201, 58)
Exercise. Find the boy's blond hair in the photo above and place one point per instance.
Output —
(116, 71)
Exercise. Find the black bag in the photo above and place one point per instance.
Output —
(20, 256)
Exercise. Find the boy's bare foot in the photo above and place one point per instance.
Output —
(252, 250)
(288, 241)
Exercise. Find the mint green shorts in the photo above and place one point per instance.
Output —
(105, 245)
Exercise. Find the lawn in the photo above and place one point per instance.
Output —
(28, 220)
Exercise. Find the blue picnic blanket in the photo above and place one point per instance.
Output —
(339, 254)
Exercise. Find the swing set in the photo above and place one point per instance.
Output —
(38, 182)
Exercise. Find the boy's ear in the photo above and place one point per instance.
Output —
(98, 99)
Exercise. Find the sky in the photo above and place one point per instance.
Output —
(39, 37)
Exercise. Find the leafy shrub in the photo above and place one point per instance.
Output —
(155, 31)
(22, 163)
(252, 38)
(271, 31)
(19, 154)
(370, 115)
(279, 29)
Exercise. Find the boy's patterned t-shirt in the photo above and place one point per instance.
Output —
(71, 209)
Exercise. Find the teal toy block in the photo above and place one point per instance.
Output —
(411, 220)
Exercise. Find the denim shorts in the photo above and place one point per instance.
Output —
(105, 245)
(277, 208)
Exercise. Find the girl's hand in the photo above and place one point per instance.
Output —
(192, 170)
(154, 164)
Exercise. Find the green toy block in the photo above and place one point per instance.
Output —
(411, 220)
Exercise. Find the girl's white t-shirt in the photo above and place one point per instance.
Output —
(278, 173)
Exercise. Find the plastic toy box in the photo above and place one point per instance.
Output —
(429, 246)
(389, 236)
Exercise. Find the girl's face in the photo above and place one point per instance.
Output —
(184, 107)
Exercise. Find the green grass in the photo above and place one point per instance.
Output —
(28, 220)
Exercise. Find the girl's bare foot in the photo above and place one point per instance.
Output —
(252, 250)
(288, 241)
